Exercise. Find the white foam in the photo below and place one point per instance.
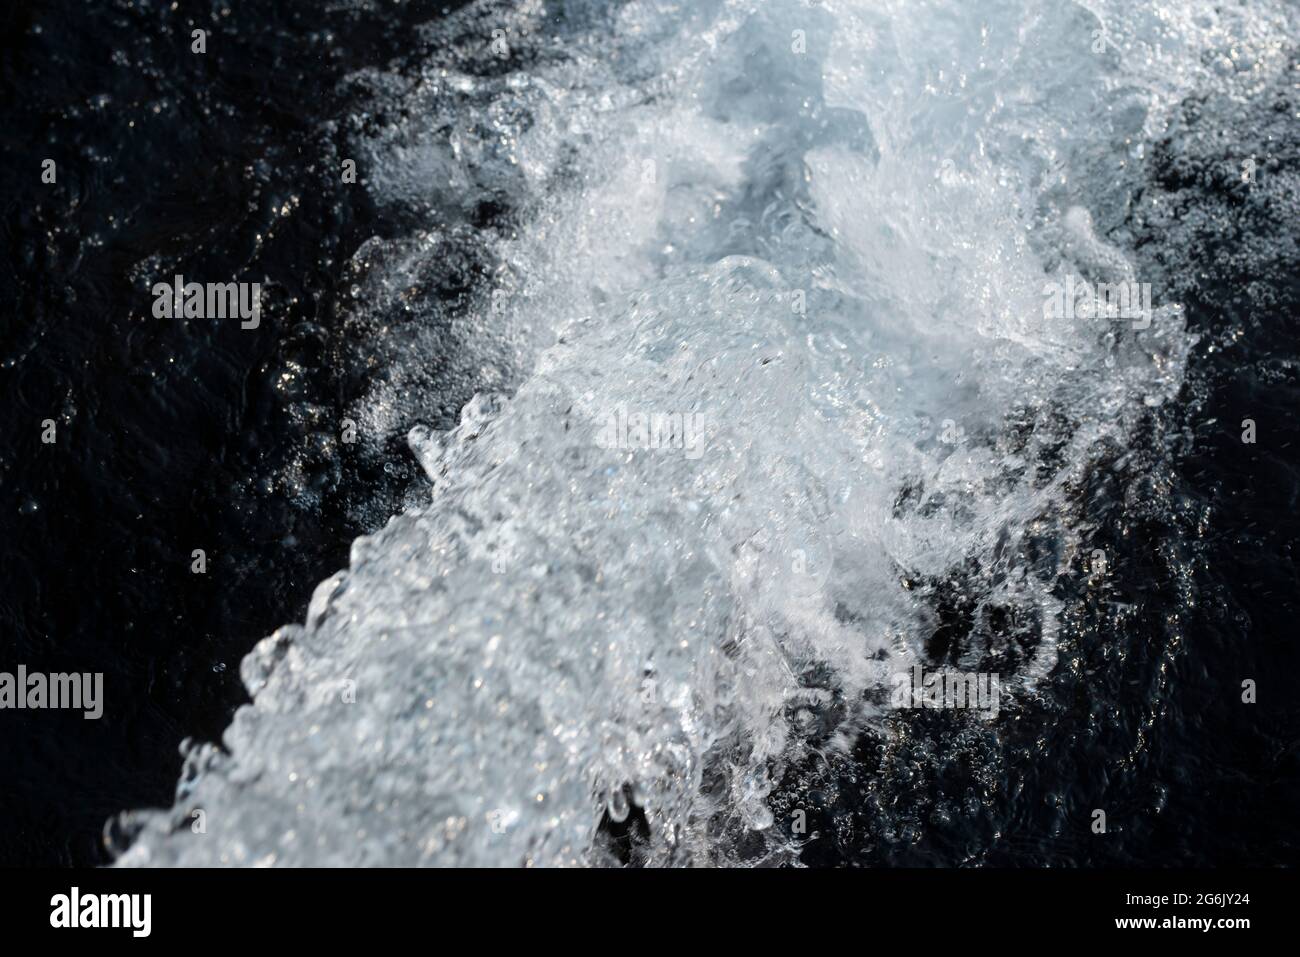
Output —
(837, 259)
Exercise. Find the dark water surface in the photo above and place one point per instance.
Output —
(172, 435)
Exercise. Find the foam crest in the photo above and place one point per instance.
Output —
(771, 376)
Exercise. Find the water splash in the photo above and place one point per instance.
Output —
(823, 231)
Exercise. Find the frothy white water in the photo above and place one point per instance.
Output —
(819, 235)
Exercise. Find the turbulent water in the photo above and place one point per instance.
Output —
(816, 238)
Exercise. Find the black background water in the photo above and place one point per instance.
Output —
(172, 435)
(176, 435)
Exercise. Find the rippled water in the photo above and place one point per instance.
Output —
(822, 233)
